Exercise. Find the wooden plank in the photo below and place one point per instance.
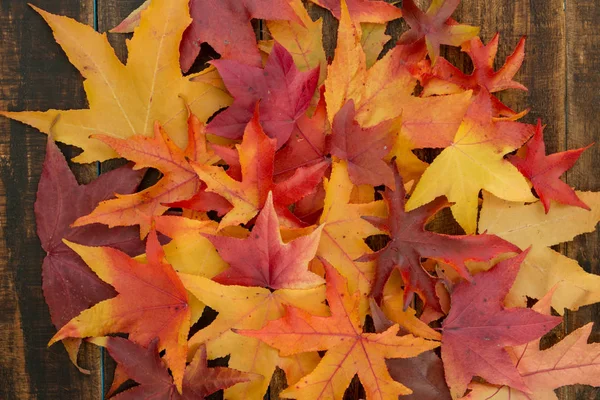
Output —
(34, 75)
(583, 128)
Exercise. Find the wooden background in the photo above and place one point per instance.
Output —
(561, 71)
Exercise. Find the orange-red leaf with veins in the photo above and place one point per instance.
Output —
(179, 182)
(349, 350)
(152, 302)
(478, 328)
(544, 171)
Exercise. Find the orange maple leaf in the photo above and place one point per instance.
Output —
(180, 181)
(152, 302)
(350, 351)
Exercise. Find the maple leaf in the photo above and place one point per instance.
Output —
(363, 148)
(342, 239)
(434, 27)
(410, 243)
(144, 366)
(474, 161)
(425, 372)
(264, 260)
(224, 24)
(126, 100)
(349, 350)
(375, 11)
(179, 181)
(284, 93)
(544, 171)
(69, 285)
(254, 307)
(385, 91)
(527, 225)
(478, 328)
(445, 78)
(151, 303)
(257, 152)
(569, 362)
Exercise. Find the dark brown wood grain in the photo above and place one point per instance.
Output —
(34, 75)
(561, 72)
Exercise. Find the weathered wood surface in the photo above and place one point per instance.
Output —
(561, 71)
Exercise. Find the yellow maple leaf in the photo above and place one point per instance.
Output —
(528, 225)
(254, 307)
(475, 161)
(126, 100)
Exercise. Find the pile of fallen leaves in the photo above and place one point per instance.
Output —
(292, 223)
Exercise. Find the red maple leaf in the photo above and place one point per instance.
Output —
(151, 302)
(434, 27)
(145, 366)
(410, 242)
(374, 11)
(544, 171)
(284, 93)
(364, 148)
(478, 328)
(264, 260)
(444, 74)
(69, 285)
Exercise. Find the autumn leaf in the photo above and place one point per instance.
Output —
(284, 93)
(434, 27)
(343, 232)
(478, 328)
(544, 171)
(179, 181)
(254, 307)
(445, 78)
(69, 285)
(569, 362)
(425, 372)
(528, 225)
(474, 161)
(410, 243)
(263, 260)
(144, 366)
(349, 350)
(151, 303)
(376, 11)
(257, 153)
(363, 148)
(126, 100)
